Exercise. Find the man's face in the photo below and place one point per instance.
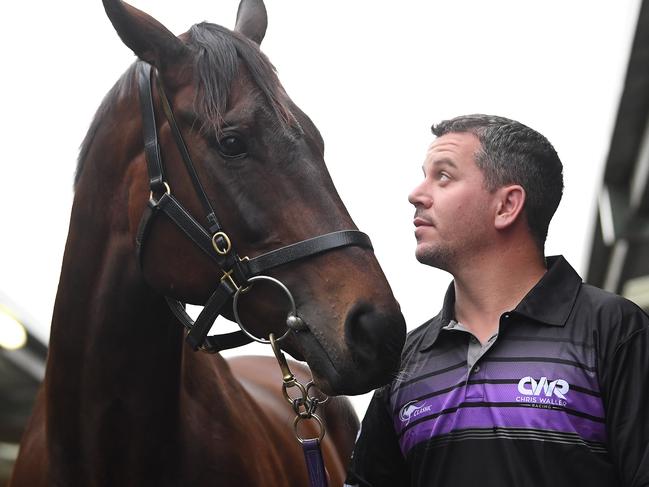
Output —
(453, 209)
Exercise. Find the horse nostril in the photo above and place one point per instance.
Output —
(375, 340)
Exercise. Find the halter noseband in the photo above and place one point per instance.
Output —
(211, 239)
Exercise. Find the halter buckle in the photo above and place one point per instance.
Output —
(167, 192)
(228, 275)
(215, 243)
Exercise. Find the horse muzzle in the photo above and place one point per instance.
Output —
(367, 358)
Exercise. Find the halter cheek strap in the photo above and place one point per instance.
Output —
(211, 239)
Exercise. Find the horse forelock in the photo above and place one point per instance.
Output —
(219, 52)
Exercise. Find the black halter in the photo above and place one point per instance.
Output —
(212, 240)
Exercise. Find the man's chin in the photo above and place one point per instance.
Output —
(433, 256)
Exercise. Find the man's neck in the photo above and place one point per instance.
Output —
(490, 285)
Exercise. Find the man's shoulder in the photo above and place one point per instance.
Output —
(606, 303)
(609, 312)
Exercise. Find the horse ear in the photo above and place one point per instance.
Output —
(252, 20)
(145, 36)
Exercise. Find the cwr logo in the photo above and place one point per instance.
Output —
(530, 387)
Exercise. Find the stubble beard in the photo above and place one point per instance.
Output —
(438, 256)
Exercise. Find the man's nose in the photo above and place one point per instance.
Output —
(419, 197)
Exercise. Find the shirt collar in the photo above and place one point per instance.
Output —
(549, 302)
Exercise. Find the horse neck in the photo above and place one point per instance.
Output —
(104, 311)
(115, 365)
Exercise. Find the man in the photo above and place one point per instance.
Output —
(527, 376)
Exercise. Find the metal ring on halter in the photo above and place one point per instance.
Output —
(296, 422)
(167, 191)
(235, 307)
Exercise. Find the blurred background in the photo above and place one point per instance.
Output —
(373, 76)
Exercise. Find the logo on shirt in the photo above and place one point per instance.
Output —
(412, 410)
(543, 391)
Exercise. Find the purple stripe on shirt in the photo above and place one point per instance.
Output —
(495, 416)
(531, 394)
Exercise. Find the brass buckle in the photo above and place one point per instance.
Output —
(228, 243)
(228, 275)
(167, 191)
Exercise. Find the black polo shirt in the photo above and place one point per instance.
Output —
(560, 398)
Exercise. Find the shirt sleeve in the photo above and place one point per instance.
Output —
(377, 460)
(626, 400)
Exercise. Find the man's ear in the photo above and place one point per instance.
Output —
(510, 204)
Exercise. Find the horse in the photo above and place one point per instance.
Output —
(124, 400)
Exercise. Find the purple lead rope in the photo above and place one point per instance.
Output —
(314, 463)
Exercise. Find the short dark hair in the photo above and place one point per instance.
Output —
(513, 153)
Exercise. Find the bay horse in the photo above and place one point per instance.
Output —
(124, 401)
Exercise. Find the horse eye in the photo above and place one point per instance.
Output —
(232, 146)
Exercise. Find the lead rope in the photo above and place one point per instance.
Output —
(305, 407)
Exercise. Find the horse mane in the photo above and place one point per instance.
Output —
(218, 52)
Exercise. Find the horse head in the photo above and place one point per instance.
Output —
(260, 163)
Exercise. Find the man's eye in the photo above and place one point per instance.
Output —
(232, 146)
